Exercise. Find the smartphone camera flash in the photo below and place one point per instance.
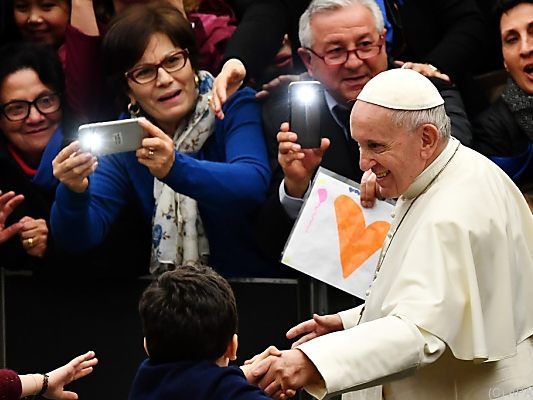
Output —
(306, 94)
(91, 141)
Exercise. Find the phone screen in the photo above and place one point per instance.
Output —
(111, 137)
(306, 102)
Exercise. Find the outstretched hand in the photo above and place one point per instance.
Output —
(317, 326)
(8, 202)
(275, 83)
(75, 369)
(226, 83)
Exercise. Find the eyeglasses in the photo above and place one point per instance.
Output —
(18, 110)
(146, 73)
(340, 55)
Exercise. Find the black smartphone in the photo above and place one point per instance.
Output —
(111, 137)
(306, 101)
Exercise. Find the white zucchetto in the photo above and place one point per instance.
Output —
(401, 89)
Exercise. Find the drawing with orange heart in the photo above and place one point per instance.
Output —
(357, 242)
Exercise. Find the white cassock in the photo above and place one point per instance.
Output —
(450, 313)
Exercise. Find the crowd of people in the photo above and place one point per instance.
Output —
(220, 178)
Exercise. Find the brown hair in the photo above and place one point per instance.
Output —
(188, 314)
(128, 35)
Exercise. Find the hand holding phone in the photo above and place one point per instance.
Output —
(306, 100)
(111, 137)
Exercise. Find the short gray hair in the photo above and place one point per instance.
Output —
(318, 6)
(411, 120)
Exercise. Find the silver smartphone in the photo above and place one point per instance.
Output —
(111, 137)
(306, 101)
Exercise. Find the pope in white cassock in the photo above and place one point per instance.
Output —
(450, 312)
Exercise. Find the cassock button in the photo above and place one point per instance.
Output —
(392, 215)
(367, 293)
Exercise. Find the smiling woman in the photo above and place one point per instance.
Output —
(31, 83)
(197, 180)
(504, 132)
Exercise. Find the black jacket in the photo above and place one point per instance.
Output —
(496, 133)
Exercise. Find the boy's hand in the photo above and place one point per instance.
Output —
(270, 351)
(255, 360)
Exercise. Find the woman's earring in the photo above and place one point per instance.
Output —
(196, 80)
(134, 109)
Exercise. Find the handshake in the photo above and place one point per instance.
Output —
(282, 373)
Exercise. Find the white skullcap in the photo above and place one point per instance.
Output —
(401, 89)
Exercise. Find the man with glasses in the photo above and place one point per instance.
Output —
(343, 47)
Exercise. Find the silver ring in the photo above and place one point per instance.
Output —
(433, 68)
(150, 153)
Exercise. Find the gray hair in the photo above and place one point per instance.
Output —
(318, 6)
(411, 120)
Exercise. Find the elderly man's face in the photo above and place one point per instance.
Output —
(516, 28)
(346, 28)
(393, 154)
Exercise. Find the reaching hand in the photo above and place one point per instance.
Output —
(157, 152)
(281, 376)
(72, 167)
(226, 83)
(75, 369)
(274, 83)
(317, 326)
(427, 70)
(298, 164)
(8, 202)
(34, 236)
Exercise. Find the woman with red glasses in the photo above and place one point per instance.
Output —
(197, 179)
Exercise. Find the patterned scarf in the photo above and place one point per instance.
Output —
(178, 237)
(521, 106)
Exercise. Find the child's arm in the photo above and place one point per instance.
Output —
(51, 385)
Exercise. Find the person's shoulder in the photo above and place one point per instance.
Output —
(245, 94)
(241, 106)
(468, 189)
(497, 115)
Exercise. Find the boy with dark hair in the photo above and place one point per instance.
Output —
(189, 320)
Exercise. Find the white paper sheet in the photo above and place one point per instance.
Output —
(332, 215)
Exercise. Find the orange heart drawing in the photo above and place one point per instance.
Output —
(357, 242)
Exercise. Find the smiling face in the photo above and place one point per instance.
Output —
(347, 28)
(516, 27)
(42, 21)
(31, 135)
(171, 96)
(395, 155)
